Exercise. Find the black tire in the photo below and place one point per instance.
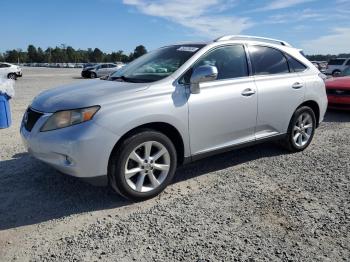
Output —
(336, 73)
(119, 158)
(289, 141)
(12, 76)
(93, 75)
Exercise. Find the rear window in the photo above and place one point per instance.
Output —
(336, 61)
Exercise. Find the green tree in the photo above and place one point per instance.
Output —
(32, 54)
(96, 55)
(71, 54)
(139, 51)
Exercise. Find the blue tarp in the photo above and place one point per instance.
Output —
(5, 113)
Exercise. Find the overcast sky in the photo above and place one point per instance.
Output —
(317, 26)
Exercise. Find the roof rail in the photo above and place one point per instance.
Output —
(253, 38)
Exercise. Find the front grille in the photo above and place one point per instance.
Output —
(338, 92)
(30, 118)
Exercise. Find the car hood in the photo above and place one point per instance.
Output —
(85, 94)
(338, 82)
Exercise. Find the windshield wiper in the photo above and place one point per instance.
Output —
(131, 80)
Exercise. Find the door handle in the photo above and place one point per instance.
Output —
(248, 92)
(297, 85)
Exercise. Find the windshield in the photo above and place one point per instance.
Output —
(156, 65)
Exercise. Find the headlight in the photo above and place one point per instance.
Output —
(67, 118)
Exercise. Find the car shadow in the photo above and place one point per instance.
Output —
(338, 116)
(33, 192)
(78, 77)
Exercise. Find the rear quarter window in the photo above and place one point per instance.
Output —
(267, 61)
(296, 66)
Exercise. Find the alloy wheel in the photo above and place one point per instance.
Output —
(147, 166)
(303, 129)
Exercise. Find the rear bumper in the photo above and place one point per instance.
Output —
(82, 150)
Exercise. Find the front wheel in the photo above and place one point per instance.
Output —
(12, 76)
(301, 129)
(143, 166)
(93, 75)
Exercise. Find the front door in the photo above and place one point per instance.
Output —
(224, 112)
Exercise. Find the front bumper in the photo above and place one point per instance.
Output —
(81, 150)
(19, 74)
(86, 74)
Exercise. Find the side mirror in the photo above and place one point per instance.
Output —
(202, 74)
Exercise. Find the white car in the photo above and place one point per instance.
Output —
(337, 65)
(10, 71)
(100, 70)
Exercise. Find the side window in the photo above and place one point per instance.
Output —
(348, 63)
(267, 60)
(104, 66)
(295, 65)
(4, 65)
(230, 61)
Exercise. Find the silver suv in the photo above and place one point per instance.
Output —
(337, 65)
(174, 105)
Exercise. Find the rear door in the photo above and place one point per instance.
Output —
(111, 68)
(280, 89)
(102, 70)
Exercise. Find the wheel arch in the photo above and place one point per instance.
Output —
(165, 128)
(11, 73)
(315, 107)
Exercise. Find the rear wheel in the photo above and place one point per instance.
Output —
(12, 76)
(336, 73)
(143, 166)
(301, 129)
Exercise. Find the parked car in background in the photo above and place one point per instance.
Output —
(338, 91)
(173, 105)
(337, 65)
(320, 65)
(99, 70)
(10, 71)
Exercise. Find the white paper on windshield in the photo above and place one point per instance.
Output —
(187, 49)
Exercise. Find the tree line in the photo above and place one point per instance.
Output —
(67, 54)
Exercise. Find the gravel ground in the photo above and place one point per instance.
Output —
(253, 204)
